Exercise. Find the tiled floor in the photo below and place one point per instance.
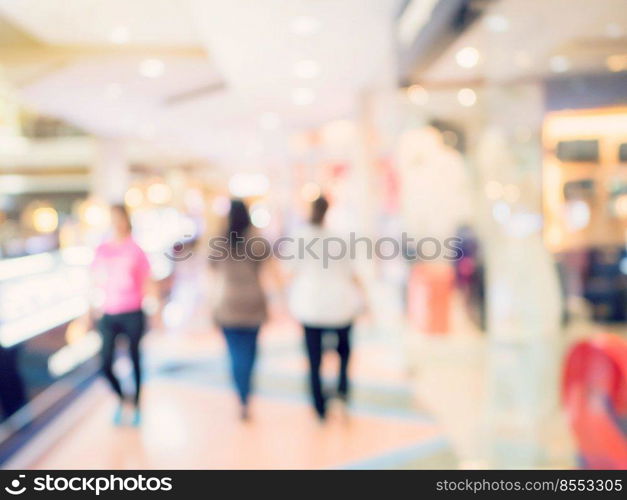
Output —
(415, 399)
(190, 414)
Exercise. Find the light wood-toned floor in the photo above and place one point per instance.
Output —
(192, 427)
(190, 417)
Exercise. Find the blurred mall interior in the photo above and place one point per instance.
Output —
(502, 123)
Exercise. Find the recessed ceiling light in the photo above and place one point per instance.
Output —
(468, 57)
(306, 69)
(418, 95)
(497, 23)
(120, 35)
(303, 96)
(151, 68)
(467, 97)
(269, 121)
(304, 25)
(559, 64)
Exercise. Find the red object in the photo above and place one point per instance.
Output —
(594, 393)
(429, 297)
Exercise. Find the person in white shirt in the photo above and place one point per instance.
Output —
(323, 298)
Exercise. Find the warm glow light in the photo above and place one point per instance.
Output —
(310, 191)
(561, 124)
(159, 193)
(467, 97)
(620, 206)
(95, 215)
(45, 219)
(617, 62)
(307, 68)
(303, 96)
(134, 197)
(468, 57)
(151, 68)
(75, 330)
(418, 95)
(260, 216)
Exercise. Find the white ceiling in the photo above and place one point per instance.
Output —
(250, 47)
(585, 32)
(94, 22)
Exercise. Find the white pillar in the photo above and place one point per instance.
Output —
(523, 292)
(110, 176)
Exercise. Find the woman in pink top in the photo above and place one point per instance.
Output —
(121, 271)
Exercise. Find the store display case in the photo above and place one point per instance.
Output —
(40, 295)
(585, 205)
(46, 353)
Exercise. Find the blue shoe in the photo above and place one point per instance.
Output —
(117, 415)
(137, 418)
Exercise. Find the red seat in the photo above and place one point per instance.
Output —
(595, 395)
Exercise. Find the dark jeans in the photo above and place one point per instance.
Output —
(131, 324)
(313, 340)
(242, 345)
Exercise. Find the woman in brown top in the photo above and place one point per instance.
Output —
(241, 304)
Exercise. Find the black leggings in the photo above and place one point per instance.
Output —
(313, 340)
(132, 325)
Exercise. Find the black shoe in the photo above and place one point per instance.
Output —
(321, 413)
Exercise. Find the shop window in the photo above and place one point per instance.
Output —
(578, 151)
(577, 190)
